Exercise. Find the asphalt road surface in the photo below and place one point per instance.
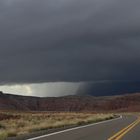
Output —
(123, 128)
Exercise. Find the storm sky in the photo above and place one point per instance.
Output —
(66, 42)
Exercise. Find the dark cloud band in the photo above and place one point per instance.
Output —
(56, 40)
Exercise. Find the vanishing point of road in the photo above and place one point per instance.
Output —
(122, 128)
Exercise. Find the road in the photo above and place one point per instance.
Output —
(123, 128)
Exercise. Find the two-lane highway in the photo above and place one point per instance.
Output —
(124, 128)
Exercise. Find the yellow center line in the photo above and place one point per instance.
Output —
(121, 131)
(119, 137)
(125, 130)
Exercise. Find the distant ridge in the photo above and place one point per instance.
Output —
(127, 102)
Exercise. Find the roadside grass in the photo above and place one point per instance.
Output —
(3, 135)
(28, 122)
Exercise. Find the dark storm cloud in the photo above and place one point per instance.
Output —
(69, 40)
(104, 88)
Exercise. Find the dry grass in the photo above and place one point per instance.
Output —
(31, 121)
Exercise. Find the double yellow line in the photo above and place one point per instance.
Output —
(125, 130)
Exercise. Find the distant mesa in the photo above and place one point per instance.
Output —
(127, 102)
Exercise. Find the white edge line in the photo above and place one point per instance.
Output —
(75, 128)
